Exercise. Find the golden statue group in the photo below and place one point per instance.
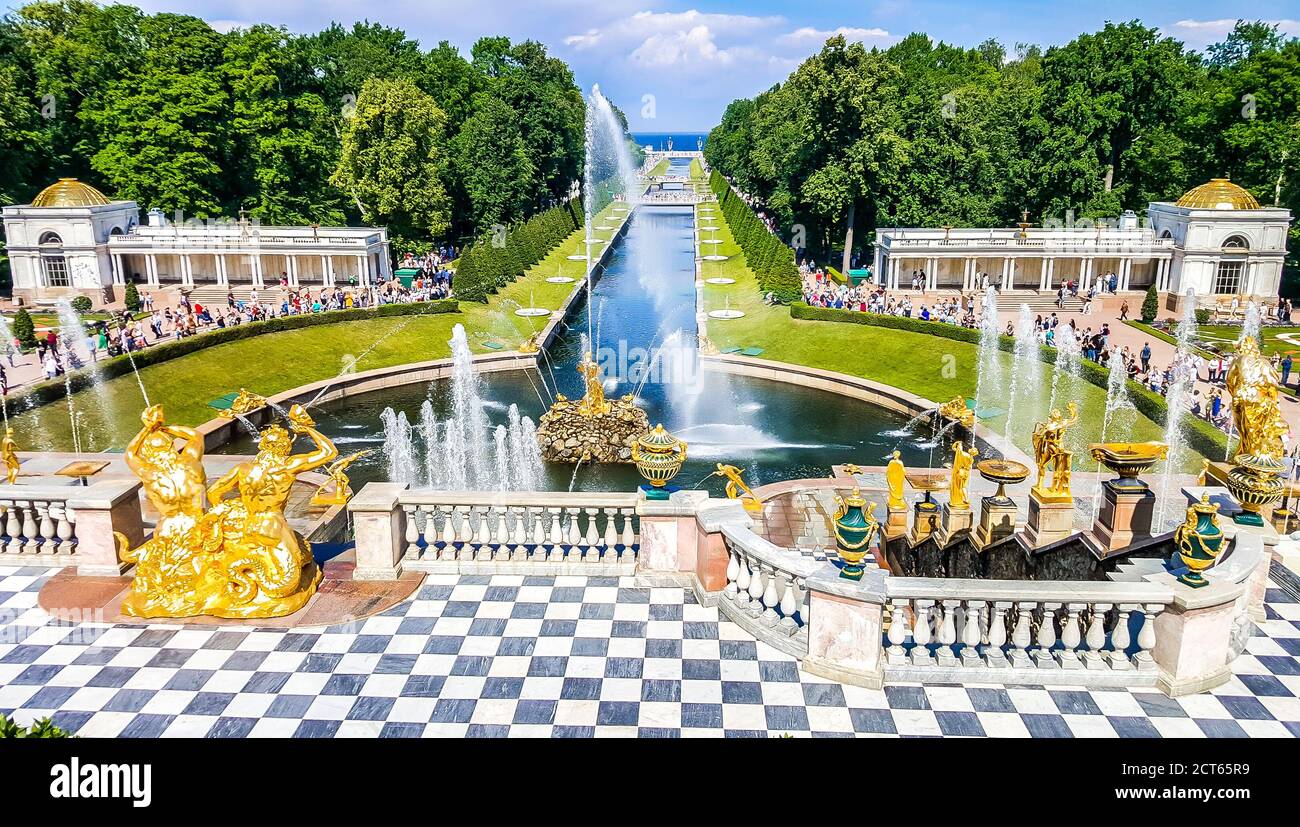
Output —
(1050, 452)
(211, 554)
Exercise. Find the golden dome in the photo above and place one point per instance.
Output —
(69, 192)
(1218, 194)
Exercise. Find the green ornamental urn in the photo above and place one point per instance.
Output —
(855, 528)
(1199, 541)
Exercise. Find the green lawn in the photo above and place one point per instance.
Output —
(276, 362)
(936, 368)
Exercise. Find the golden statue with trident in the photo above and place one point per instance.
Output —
(593, 401)
(1049, 450)
(735, 485)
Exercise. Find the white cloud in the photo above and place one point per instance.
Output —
(807, 35)
(1198, 34)
(688, 32)
(695, 45)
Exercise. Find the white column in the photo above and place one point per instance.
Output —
(1125, 268)
(187, 274)
(875, 266)
(893, 273)
(291, 265)
(1086, 281)
(257, 270)
(1008, 273)
(363, 271)
(223, 277)
(151, 269)
(327, 271)
(1042, 276)
(1252, 269)
(1051, 273)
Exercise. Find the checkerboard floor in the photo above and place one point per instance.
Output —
(557, 657)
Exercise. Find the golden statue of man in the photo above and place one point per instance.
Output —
(340, 485)
(736, 484)
(962, 462)
(593, 401)
(266, 568)
(1049, 450)
(1252, 381)
(895, 477)
(9, 453)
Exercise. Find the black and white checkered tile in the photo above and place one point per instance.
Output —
(557, 657)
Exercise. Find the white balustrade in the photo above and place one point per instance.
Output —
(40, 527)
(446, 528)
(766, 590)
(991, 624)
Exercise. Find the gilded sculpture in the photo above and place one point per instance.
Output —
(9, 453)
(1252, 383)
(895, 477)
(1050, 452)
(962, 462)
(339, 488)
(593, 400)
(238, 558)
(736, 485)
(956, 409)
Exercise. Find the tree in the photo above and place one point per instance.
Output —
(492, 164)
(24, 328)
(1150, 305)
(131, 297)
(393, 162)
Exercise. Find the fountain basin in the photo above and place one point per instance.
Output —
(1129, 459)
(532, 312)
(720, 280)
(560, 280)
(577, 258)
(726, 314)
(715, 257)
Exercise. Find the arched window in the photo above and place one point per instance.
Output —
(53, 265)
(1236, 242)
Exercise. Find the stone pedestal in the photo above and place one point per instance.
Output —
(379, 526)
(1050, 520)
(1125, 516)
(895, 523)
(844, 632)
(953, 520)
(925, 522)
(103, 509)
(997, 520)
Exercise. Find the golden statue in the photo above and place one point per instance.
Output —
(957, 409)
(9, 452)
(1252, 381)
(962, 462)
(593, 401)
(735, 485)
(244, 402)
(339, 483)
(1049, 450)
(240, 559)
(895, 477)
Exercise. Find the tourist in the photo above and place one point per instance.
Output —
(1146, 357)
(51, 365)
(1286, 369)
(1123, 311)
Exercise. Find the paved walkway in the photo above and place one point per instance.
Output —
(558, 657)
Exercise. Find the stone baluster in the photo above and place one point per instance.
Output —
(538, 537)
(412, 534)
(756, 589)
(1071, 637)
(592, 538)
(522, 525)
(742, 584)
(66, 530)
(574, 537)
(970, 634)
(1120, 640)
(48, 535)
(13, 529)
(805, 605)
(1144, 659)
(994, 657)
(921, 633)
(611, 532)
(1021, 635)
(629, 535)
(898, 632)
(947, 634)
(430, 534)
(1046, 637)
(1096, 637)
(29, 545)
(733, 575)
(788, 604)
(557, 530)
(771, 599)
(451, 533)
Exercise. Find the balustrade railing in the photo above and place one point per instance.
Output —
(518, 527)
(994, 625)
(767, 590)
(37, 526)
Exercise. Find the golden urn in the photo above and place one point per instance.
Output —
(1128, 460)
(1004, 472)
(1255, 482)
(658, 456)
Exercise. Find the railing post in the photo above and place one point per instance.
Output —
(379, 525)
(102, 509)
(845, 630)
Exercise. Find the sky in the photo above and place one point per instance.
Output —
(674, 66)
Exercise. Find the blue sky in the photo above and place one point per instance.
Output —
(692, 58)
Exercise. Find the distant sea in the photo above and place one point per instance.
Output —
(659, 140)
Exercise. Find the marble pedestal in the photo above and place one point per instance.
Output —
(1050, 520)
(997, 520)
(895, 522)
(925, 522)
(1125, 516)
(953, 520)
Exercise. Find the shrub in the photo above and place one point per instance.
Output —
(82, 304)
(132, 297)
(1202, 316)
(24, 328)
(1151, 305)
(44, 728)
(484, 267)
(770, 258)
(1201, 436)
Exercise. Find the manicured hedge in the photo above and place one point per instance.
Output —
(487, 267)
(1201, 435)
(55, 389)
(771, 259)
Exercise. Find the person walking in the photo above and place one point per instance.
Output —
(1146, 357)
(1286, 369)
